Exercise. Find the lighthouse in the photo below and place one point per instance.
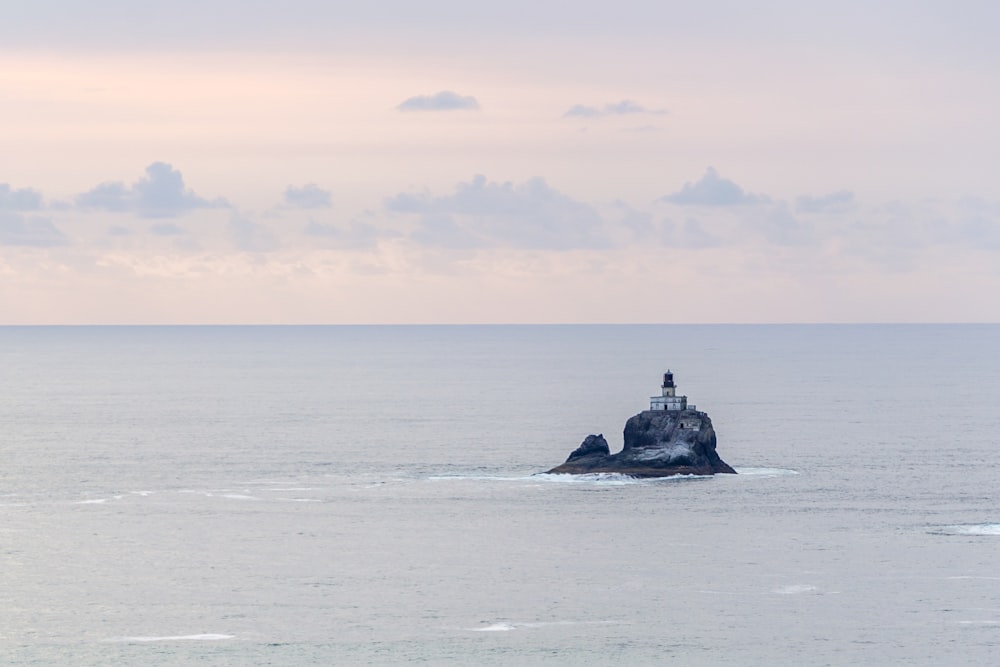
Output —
(668, 399)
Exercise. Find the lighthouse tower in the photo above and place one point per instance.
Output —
(668, 400)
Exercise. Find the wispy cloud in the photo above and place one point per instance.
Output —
(483, 213)
(250, 236)
(23, 199)
(356, 235)
(445, 100)
(161, 194)
(308, 196)
(167, 229)
(20, 230)
(623, 108)
(693, 234)
(835, 202)
(712, 190)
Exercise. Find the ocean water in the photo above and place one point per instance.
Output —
(370, 495)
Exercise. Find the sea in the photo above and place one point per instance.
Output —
(376, 495)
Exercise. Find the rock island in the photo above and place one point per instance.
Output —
(671, 438)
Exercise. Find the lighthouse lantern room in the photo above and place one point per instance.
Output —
(669, 400)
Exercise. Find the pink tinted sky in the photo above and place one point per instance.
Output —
(219, 162)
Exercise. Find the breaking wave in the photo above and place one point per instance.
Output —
(507, 627)
(795, 589)
(968, 529)
(610, 478)
(174, 638)
(97, 501)
(764, 472)
(495, 627)
(604, 478)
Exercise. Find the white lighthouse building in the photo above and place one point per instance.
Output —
(669, 400)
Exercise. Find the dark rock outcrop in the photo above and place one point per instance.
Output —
(658, 443)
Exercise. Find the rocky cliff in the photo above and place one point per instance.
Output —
(658, 443)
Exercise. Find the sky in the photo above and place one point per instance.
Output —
(251, 162)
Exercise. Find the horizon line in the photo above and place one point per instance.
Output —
(483, 324)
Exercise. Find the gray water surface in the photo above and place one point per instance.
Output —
(368, 495)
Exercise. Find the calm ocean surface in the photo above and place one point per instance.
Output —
(368, 495)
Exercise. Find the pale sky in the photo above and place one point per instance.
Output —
(240, 161)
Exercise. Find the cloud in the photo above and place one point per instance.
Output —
(308, 196)
(445, 100)
(356, 235)
(780, 227)
(625, 107)
(979, 232)
(18, 230)
(167, 229)
(250, 236)
(482, 213)
(692, 234)
(444, 231)
(638, 225)
(23, 199)
(929, 224)
(161, 194)
(712, 190)
(581, 111)
(835, 202)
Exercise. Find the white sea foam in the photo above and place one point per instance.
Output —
(480, 478)
(495, 627)
(764, 472)
(507, 627)
(608, 478)
(604, 478)
(590, 478)
(612, 478)
(97, 501)
(978, 622)
(209, 637)
(795, 589)
(221, 493)
(969, 529)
